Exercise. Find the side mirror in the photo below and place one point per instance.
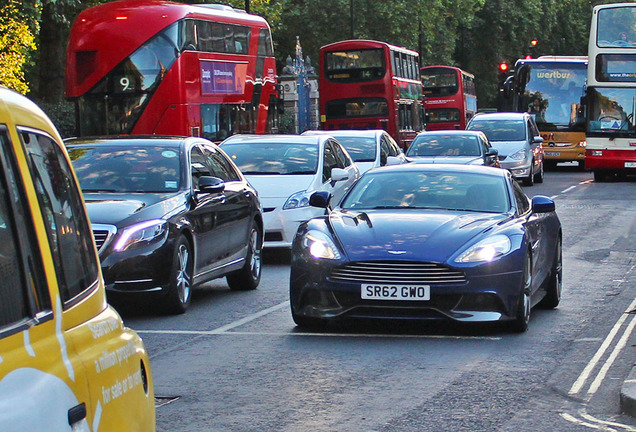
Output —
(393, 160)
(209, 184)
(492, 152)
(338, 174)
(320, 199)
(537, 140)
(542, 204)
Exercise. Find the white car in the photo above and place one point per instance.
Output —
(368, 148)
(285, 170)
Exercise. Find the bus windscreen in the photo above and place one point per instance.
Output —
(553, 94)
(354, 65)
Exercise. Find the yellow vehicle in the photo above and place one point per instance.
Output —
(67, 363)
(551, 89)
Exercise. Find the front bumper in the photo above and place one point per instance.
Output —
(489, 293)
(144, 269)
(519, 169)
(281, 225)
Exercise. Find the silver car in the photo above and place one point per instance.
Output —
(368, 148)
(518, 141)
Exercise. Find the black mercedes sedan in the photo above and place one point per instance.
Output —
(167, 214)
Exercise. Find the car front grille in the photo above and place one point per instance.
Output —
(392, 272)
(102, 234)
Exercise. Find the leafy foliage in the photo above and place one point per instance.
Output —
(473, 34)
(17, 40)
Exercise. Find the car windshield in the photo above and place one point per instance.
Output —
(273, 158)
(361, 149)
(444, 145)
(128, 168)
(500, 129)
(460, 191)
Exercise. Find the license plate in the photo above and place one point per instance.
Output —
(552, 153)
(630, 164)
(395, 292)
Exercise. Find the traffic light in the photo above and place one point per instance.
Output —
(532, 49)
(503, 73)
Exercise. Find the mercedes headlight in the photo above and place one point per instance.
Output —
(319, 245)
(142, 233)
(486, 250)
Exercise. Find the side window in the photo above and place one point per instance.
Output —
(19, 258)
(330, 162)
(220, 166)
(523, 205)
(530, 131)
(385, 151)
(394, 149)
(198, 166)
(66, 223)
(341, 157)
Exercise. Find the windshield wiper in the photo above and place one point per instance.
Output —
(300, 172)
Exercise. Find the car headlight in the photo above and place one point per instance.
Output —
(486, 250)
(297, 200)
(520, 155)
(320, 245)
(141, 233)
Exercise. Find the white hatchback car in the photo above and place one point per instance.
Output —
(285, 170)
(368, 148)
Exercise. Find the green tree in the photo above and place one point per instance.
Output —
(18, 26)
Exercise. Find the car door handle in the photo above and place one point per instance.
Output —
(76, 414)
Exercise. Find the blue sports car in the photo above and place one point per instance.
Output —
(428, 242)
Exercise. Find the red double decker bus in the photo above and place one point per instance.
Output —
(159, 67)
(450, 100)
(367, 84)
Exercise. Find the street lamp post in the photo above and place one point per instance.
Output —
(351, 14)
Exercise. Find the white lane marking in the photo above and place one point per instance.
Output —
(344, 335)
(586, 416)
(568, 189)
(608, 363)
(580, 381)
(224, 328)
(574, 420)
(250, 318)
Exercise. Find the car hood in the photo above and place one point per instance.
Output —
(505, 148)
(408, 234)
(446, 159)
(125, 209)
(279, 187)
(365, 166)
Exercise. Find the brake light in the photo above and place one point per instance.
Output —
(121, 18)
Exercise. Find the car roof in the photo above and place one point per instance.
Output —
(346, 132)
(275, 139)
(418, 167)
(451, 132)
(136, 140)
(501, 116)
